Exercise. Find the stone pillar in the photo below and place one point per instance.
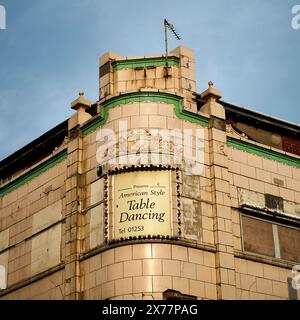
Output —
(74, 197)
(187, 76)
(106, 74)
(223, 234)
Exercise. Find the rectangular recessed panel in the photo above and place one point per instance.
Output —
(258, 236)
(46, 249)
(289, 240)
(278, 181)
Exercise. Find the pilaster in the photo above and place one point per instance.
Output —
(223, 232)
(74, 199)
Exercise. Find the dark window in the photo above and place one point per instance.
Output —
(105, 69)
(258, 236)
(273, 202)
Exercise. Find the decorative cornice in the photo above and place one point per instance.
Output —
(43, 167)
(232, 131)
(145, 63)
(127, 98)
(262, 152)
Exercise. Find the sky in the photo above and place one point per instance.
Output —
(50, 51)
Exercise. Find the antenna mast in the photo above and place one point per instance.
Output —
(177, 36)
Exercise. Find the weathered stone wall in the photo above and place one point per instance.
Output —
(32, 231)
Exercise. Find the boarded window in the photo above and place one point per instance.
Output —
(289, 240)
(258, 236)
(265, 237)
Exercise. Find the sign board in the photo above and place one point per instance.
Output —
(142, 204)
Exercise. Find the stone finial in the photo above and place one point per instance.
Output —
(212, 106)
(211, 93)
(81, 102)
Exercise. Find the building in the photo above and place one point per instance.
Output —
(153, 192)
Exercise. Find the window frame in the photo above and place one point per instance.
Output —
(274, 221)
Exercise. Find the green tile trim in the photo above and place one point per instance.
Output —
(163, 97)
(262, 152)
(50, 163)
(144, 63)
(93, 125)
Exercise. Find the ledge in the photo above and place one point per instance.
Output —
(60, 221)
(264, 259)
(31, 280)
(145, 63)
(270, 214)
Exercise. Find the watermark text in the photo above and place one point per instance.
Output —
(296, 278)
(2, 18)
(3, 283)
(176, 146)
(295, 23)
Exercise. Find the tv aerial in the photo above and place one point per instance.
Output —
(170, 26)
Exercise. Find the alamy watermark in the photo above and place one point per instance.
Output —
(296, 278)
(184, 147)
(2, 18)
(295, 23)
(3, 283)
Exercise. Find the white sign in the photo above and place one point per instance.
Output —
(142, 204)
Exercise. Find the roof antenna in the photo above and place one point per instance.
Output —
(177, 36)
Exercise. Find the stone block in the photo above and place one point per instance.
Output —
(46, 217)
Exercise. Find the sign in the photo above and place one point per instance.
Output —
(142, 204)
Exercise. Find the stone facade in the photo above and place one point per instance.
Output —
(57, 212)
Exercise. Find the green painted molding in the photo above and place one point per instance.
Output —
(262, 152)
(43, 167)
(163, 97)
(145, 63)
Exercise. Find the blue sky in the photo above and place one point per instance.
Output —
(50, 51)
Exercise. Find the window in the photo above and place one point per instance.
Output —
(273, 202)
(258, 236)
(289, 240)
(270, 239)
